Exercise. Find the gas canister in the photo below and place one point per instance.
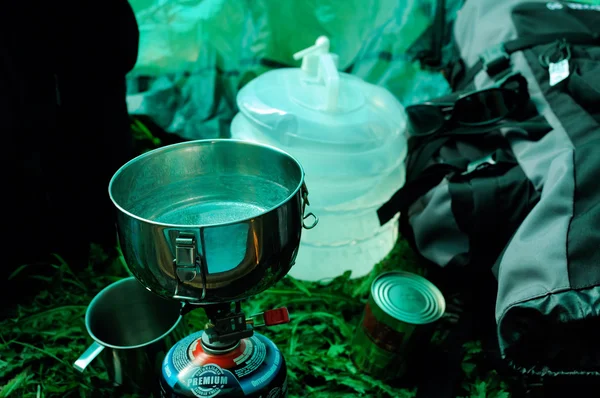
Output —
(253, 368)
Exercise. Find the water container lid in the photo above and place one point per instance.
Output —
(318, 107)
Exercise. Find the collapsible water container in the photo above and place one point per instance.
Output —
(350, 138)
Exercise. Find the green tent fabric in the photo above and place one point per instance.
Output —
(195, 55)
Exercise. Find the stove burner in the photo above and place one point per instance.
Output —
(228, 324)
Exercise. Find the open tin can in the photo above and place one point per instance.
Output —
(401, 305)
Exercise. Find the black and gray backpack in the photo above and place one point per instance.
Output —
(503, 176)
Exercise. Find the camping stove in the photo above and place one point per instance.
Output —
(211, 223)
(227, 358)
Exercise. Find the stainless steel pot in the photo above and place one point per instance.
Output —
(210, 221)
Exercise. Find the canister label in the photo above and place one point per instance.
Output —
(374, 360)
(207, 381)
(380, 333)
(251, 358)
(255, 368)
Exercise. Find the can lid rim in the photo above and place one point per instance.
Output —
(426, 302)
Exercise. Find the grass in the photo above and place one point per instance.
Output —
(46, 334)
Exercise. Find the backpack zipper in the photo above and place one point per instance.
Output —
(556, 58)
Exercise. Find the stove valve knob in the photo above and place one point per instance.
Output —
(272, 317)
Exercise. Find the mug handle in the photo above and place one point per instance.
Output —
(88, 356)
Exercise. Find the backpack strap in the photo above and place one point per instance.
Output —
(413, 190)
(434, 174)
(497, 59)
(426, 177)
(422, 178)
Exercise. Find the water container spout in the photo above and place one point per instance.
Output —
(320, 66)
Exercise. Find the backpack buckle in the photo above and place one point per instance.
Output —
(495, 60)
(479, 164)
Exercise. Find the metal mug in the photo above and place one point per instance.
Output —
(133, 329)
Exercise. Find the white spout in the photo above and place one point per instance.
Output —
(320, 65)
(311, 54)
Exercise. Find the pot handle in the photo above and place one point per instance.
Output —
(305, 203)
(88, 356)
